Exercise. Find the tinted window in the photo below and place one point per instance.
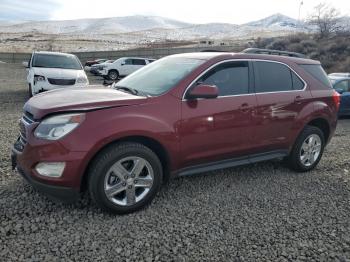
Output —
(128, 62)
(56, 61)
(272, 77)
(231, 78)
(160, 76)
(138, 62)
(342, 85)
(317, 72)
(297, 83)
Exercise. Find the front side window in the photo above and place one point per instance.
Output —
(127, 62)
(273, 77)
(231, 78)
(56, 61)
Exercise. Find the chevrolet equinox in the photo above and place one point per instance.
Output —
(181, 115)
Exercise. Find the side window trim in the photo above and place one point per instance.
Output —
(251, 69)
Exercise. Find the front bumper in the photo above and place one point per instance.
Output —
(65, 194)
(45, 86)
(65, 188)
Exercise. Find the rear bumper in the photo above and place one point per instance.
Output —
(61, 193)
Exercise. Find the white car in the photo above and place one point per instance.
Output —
(124, 66)
(52, 70)
(95, 69)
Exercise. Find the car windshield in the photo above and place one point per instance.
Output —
(56, 61)
(160, 76)
(333, 81)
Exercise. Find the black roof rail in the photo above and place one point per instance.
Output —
(212, 50)
(272, 52)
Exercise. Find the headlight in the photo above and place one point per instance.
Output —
(38, 78)
(55, 127)
(82, 80)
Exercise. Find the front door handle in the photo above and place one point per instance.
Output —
(244, 107)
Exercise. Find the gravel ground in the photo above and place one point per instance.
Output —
(259, 212)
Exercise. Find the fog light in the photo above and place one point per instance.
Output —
(50, 169)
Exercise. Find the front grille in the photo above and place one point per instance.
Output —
(22, 129)
(28, 116)
(26, 120)
(19, 144)
(61, 82)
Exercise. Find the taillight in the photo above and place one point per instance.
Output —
(336, 99)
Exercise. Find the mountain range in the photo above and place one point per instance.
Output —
(118, 33)
(128, 24)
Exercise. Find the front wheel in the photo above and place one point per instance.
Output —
(307, 150)
(125, 177)
(113, 74)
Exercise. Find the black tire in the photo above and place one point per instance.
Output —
(113, 74)
(30, 94)
(294, 159)
(106, 159)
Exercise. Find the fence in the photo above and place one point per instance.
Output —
(150, 53)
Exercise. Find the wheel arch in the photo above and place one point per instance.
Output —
(323, 125)
(113, 69)
(147, 141)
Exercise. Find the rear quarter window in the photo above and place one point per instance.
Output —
(318, 73)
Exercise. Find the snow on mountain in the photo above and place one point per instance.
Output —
(276, 21)
(132, 31)
(95, 26)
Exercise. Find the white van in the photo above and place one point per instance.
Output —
(52, 70)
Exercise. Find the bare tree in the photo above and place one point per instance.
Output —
(326, 19)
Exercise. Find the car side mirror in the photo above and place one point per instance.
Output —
(339, 90)
(122, 63)
(203, 91)
(25, 64)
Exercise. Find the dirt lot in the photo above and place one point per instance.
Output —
(258, 212)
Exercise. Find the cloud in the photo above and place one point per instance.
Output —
(27, 10)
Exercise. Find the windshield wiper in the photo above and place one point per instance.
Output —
(130, 90)
(127, 89)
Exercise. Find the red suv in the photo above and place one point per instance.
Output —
(181, 115)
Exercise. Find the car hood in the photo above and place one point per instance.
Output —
(79, 99)
(58, 73)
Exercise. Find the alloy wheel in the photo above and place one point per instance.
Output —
(128, 181)
(310, 150)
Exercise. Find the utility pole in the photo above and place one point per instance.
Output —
(299, 22)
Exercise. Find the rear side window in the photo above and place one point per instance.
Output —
(231, 78)
(138, 62)
(297, 83)
(317, 72)
(272, 77)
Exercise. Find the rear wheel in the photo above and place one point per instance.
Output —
(307, 150)
(113, 74)
(125, 177)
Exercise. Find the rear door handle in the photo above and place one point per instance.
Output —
(298, 99)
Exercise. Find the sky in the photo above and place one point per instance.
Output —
(192, 11)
